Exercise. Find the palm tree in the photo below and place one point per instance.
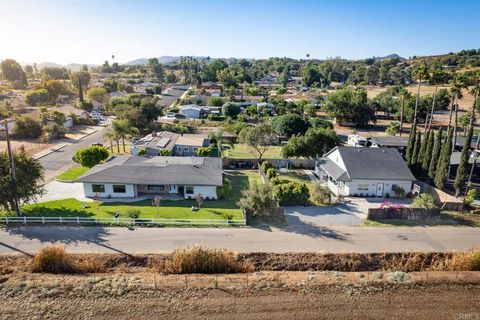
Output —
(421, 72)
(403, 94)
(456, 93)
(123, 130)
(111, 136)
(438, 76)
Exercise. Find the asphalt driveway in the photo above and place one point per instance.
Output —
(351, 212)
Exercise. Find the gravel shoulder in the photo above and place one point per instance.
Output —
(123, 296)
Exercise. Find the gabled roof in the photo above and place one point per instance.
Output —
(374, 163)
(333, 169)
(157, 170)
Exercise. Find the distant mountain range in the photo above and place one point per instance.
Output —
(165, 60)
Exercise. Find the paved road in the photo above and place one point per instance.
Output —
(61, 160)
(290, 239)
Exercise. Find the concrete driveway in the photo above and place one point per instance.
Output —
(56, 190)
(350, 213)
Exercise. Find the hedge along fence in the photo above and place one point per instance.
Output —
(416, 214)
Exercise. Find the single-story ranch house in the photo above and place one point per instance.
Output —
(356, 171)
(129, 177)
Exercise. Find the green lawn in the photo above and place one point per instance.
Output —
(214, 209)
(72, 174)
(296, 176)
(242, 151)
(168, 209)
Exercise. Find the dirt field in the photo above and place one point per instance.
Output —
(124, 296)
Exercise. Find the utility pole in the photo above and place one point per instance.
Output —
(12, 172)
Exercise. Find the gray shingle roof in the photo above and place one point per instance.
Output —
(333, 169)
(157, 170)
(375, 163)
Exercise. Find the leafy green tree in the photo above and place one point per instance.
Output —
(231, 110)
(37, 97)
(55, 131)
(320, 123)
(313, 144)
(54, 88)
(444, 161)
(420, 72)
(215, 101)
(291, 194)
(212, 69)
(227, 78)
(171, 78)
(350, 105)
(259, 138)
(393, 129)
(312, 76)
(257, 200)
(91, 156)
(98, 94)
(29, 179)
(437, 146)
(155, 69)
(12, 71)
(55, 73)
(26, 127)
(289, 125)
(111, 85)
(427, 156)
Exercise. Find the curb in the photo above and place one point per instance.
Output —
(51, 151)
(88, 134)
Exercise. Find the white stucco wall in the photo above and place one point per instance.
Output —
(351, 187)
(206, 191)
(129, 188)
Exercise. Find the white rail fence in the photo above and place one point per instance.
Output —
(122, 221)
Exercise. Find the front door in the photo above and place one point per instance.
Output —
(173, 189)
(380, 190)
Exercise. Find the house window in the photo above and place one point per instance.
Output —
(155, 188)
(363, 187)
(195, 149)
(186, 149)
(189, 190)
(119, 188)
(98, 188)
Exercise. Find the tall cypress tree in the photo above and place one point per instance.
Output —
(437, 146)
(411, 143)
(462, 170)
(423, 147)
(427, 156)
(416, 149)
(444, 161)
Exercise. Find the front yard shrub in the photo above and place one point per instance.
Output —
(271, 173)
(291, 194)
(91, 156)
(133, 213)
(424, 200)
(321, 194)
(202, 260)
(471, 194)
(266, 165)
(257, 200)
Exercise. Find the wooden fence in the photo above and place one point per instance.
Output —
(417, 214)
(123, 221)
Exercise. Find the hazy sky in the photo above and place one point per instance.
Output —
(91, 31)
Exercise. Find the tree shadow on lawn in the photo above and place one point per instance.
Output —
(62, 211)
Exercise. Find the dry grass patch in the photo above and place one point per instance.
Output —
(202, 260)
(465, 261)
(53, 259)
